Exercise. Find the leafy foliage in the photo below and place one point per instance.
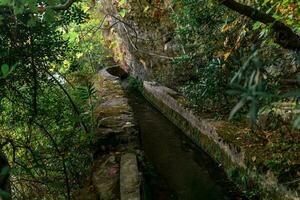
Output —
(229, 65)
(46, 121)
(229, 62)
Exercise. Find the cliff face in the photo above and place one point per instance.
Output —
(140, 34)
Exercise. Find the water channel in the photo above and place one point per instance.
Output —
(183, 171)
(187, 170)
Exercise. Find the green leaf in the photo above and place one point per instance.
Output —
(5, 69)
(122, 12)
(253, 112)
(5, 2)
(146, 9)
(122, 2)
(295, 93)
(256, 25)
(4, 194)
(113, 44)
(237, 107)
(1, 21)
(233, 92)
(297, 123)
(5, 171)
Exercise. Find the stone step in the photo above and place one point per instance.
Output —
(129, 178)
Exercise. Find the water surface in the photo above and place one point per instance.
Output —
(187, 170)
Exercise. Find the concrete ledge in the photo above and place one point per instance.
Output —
(129, 178)
(209, 135)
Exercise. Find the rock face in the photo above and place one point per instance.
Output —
(142, 39)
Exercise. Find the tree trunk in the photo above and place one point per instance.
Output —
(284, 36)
(4, 178)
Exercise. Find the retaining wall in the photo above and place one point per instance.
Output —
(237, 160)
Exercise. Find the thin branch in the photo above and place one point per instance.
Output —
(62, 7)
(48, 134)
(75, 108)
(284, 35)
(4, 178)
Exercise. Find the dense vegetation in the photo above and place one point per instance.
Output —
(47, 127)
(230, 64)
(233, 56)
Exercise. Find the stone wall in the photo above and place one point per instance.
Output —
(220, 141)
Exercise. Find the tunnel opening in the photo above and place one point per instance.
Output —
(118, 72)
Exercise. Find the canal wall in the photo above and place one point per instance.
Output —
(242, 162)
(114, 174)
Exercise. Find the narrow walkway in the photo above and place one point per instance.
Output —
(114, 174)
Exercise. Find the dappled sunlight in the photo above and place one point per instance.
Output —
(74, 124)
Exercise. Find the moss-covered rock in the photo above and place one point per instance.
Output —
(115, 135)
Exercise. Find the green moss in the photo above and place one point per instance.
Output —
(238, 175)
(134, 84)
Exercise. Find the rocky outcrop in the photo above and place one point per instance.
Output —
(140, 34)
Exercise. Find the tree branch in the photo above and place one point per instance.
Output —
(62, 7)
(4, 178)
(74, 106)
(284, 36)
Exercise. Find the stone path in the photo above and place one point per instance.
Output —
(115, 173)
